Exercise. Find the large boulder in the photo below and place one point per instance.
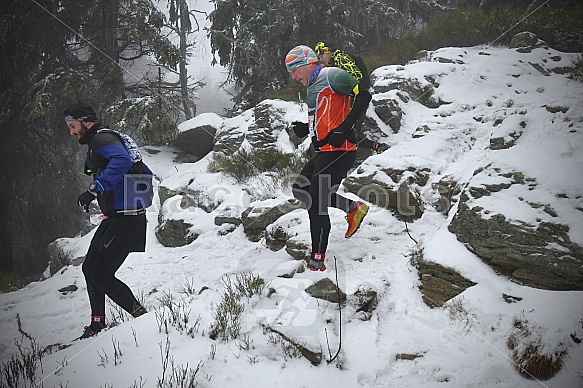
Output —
(190, 196)
(174, 228)
(231, 135)
(263, 132)
(197, 141)
(259, 127)
(525, 42)
(228, 218)
(541, 257)
(175, 233)
(406, 89)
(197, 136)
(398, 197)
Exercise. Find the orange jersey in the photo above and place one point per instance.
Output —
(329, 100)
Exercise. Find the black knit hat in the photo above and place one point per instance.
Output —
(81, 111)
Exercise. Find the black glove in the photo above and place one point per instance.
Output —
(300, 129)
(337, 137)
(85, 199)
(352, 136)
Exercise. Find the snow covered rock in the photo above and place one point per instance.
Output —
(197, 135)
(525, 42)
(541, 256)
(175, 233)
(440, 283)
(197, 141)
(256, 219)
(263, 126)
(395, 196)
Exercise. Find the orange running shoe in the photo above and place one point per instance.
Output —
(355, 217)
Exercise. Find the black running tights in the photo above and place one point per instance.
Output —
(316, 188)
(106, 254)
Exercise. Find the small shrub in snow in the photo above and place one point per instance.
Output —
(532, 357)
(459, 313)
(228, 313)
(173, 375)
(244, 165)
(175, 314)
(188, 288)
(577, 71)
(227, 316)
(249, 284)
(20, 369)
(288, 350)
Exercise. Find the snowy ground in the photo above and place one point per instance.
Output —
(463, 349)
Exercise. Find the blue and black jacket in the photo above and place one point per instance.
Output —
(114, 174)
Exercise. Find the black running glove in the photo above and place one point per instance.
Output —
(300, 129)
(85, 199)
(338, 136)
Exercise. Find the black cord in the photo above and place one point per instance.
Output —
(411, 237)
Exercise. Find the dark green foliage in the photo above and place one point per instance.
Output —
(9, 281)
(52, 54)
(382, 32)
(144, 119)
(73, 49)
(560, 28)
(294, 91)
(244, 165)
(143, 23)
(251, 38)
(578, 70)
(237, 165)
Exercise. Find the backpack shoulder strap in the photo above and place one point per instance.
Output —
(365, 80)
(129, 144)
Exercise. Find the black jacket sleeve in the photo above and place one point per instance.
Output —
(359, 107)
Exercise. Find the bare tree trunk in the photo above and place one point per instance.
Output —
(110, 16)
(107, 67)
(183, 31)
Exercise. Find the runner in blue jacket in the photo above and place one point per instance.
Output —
(123, 223)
